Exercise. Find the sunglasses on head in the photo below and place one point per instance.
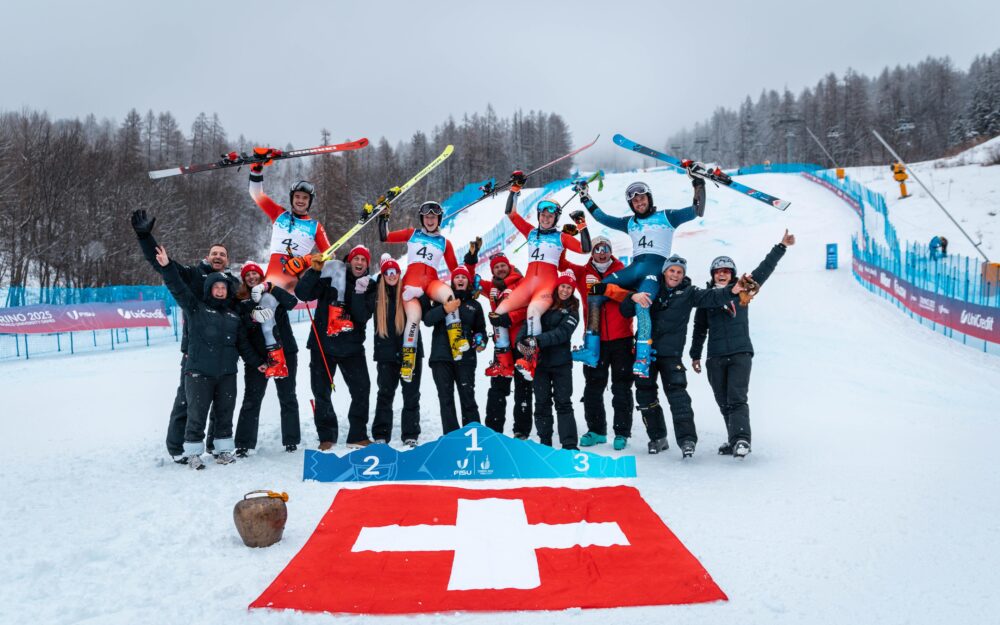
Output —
(548, 206)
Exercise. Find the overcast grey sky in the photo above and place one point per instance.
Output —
(281, 71)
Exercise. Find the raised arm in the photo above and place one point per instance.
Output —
(271, 208)
(609, 221)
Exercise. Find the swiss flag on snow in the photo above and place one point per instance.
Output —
(405, 549)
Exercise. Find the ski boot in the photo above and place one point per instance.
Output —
(620, 443)
(527, 364)
(338, 320)
(457, 340)
(276, 365)
(503, 363)
(741, 449)
(590, 352)
(687, 449)
(409, 364)
(590, 439)
(658, 445)
(643, 358)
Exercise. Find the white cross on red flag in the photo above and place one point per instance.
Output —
(413, 549)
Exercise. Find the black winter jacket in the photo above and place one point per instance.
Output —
(728, 327)
(670, 312)
(346, 344)
(286, 303)
(217, 335)
(192, 275)
(390, 347)
(553, 343)
(470, 312)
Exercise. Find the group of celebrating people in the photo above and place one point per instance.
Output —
(532, 316)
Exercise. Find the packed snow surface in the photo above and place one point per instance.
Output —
(867, 497)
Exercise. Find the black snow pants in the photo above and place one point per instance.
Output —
(496, 404)
(730, 380)
(387, 381)
(672, 374)
(554, 385)
(254, 386)
(448, 376)
(617, 357)
(206, 393)
(354, 369)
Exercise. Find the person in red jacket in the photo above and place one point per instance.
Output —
(505, 278)
(292, 230)
(616, 350)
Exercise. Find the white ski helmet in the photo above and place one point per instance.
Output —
(722, 262)
(635, 189)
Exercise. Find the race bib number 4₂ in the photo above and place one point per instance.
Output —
(398, 549)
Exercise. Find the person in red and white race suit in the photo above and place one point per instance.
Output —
(292, 230)
(426, 247)
(546, 245)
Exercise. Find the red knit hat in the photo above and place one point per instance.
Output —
(566, 277)
(250, 266)
(386, 263)
(498, 258)
(359, 250)
(462, 270)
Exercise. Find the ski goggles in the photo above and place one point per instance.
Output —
(548, 206)
(305, 187)
(602, 248)
(431, 208)
(634, 189)
(389, 273)
(676, 260)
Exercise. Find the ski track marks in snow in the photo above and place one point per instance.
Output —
(866, 497)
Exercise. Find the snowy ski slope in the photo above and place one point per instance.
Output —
(866, 499)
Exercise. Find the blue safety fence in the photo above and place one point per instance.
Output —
(950, 294)
(26, 346)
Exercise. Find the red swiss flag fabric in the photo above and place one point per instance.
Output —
(409, 549)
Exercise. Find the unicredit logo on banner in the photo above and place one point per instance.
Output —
(977, 320)
(48, 319)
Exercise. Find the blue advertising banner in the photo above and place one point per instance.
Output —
(831, 255)
(474, 452)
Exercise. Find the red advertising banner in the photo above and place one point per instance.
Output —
(839, 192)
(48, 319)
(971, 319)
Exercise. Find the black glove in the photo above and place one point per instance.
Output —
(499, 284)
(596, 289)
(578, 217)
(697, 182)
(141, 223)
(500, 320)
(518, 179)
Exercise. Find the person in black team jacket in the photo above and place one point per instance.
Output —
(669, 313)
(386, 302)
(730, 351)
(553, 379)
(217, 337)
(265, 308)
(193, 276)
(448, 372)
(322, 282)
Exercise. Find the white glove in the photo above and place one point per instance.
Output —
(257, 292)
(361, 284)
(260, 315)
(592, 279)
(411, 292)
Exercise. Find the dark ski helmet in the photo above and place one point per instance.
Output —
(304, 186)
(548, 206)
(722, 262)
(635, 189)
